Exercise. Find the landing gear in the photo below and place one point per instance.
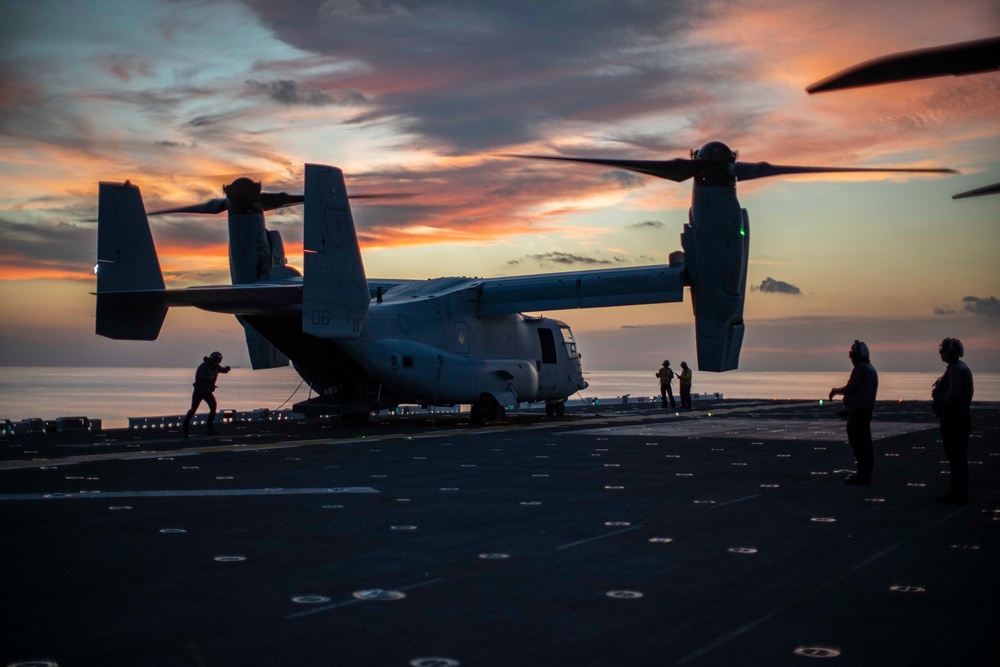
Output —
(555, 408)
(487, 409)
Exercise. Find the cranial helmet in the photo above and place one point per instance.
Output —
(216, 357)
(859, 352)
(666, 363)
(952, 348)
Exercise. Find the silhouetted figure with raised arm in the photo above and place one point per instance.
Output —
(666, 374)
(204, 390)
(859, 401)
(951, 400)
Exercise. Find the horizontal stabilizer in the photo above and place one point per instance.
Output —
(129, 319)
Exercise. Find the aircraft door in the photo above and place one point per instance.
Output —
(548, 343)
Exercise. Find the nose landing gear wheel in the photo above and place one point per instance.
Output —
(487, 409)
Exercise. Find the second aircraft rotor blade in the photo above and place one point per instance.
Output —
(747, 171)
(979, 192)
(211, 207)
(675, 170)
(272, 200)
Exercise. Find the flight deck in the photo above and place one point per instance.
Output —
(618, 535)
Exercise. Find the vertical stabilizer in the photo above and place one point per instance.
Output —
(335, 293)
(128, 271)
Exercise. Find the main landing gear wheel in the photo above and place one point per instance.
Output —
(487, 409)
(555, 408)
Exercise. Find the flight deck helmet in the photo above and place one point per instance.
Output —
(859, 352)
(951, 349)
(215, 357)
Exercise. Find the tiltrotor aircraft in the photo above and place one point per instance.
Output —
(368, 345)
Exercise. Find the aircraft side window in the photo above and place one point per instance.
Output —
(548, 342)
(407, 362)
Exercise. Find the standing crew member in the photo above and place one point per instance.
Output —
(666, 374)
(684, 377)
(204, 390)
(952, 402)
(859, 401)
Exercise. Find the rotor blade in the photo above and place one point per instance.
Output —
(272, 200)
(675, 170)
(212, 206)
(747, 171)
(954, 59)
(383, 195)
(979, 192)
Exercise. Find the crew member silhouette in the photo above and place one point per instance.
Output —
(666, 374)
(859, 401)
(204, 390)
(951, 401)
(684, 379)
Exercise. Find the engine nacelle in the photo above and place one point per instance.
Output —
(716, 244)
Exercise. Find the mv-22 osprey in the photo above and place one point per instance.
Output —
(365, 345)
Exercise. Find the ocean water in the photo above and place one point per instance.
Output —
(115, 394)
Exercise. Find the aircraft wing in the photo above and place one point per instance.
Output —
(582, 289)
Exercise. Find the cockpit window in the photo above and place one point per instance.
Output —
(568, 341)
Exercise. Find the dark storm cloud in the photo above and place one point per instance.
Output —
(286, 91)
(124, 67)
(463, 75)
(566, 259)
(943, 311)
(988, 307)
(35, 243)
(772, 286)
(647, 224)
(625, 180)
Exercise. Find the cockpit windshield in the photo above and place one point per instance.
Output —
(568, 341)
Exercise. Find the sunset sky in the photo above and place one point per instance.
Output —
(182, 96)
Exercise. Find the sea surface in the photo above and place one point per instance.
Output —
(115, 394)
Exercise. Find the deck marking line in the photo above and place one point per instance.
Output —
(733, 502)
(345, 603)
(196, 493)
(725, 638)
(599, 537)
(872, 559)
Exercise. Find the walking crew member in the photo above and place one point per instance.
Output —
(952, 401)
(204, 390)
(859, 401)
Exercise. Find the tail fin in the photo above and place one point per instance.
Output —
(128, 271)
(335, 294)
